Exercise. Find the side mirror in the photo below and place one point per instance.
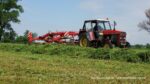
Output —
(115, 24)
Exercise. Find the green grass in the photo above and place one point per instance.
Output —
(127, 55)
(20, 67)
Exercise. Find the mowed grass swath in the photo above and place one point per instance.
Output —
(128, 55)
(24, 64)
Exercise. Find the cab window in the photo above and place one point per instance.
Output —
(90, 25)
(100, 26)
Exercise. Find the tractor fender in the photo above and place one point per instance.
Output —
(90, 36)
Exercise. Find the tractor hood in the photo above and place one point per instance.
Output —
(109, 32)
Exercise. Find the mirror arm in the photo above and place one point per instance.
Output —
(114, 25)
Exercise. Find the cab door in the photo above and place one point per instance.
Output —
(89, 26)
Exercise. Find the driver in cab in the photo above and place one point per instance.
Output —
(97, 29)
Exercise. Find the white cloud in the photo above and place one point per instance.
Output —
(91, 5)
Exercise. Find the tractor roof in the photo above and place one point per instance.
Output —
(105, 20)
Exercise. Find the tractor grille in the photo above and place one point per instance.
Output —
(123, 38)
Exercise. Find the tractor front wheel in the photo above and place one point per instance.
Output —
(108, 45)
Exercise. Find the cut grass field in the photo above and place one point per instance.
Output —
(20, 67)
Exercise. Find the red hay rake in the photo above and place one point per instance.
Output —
(55, 37)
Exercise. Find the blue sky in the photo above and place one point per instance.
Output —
(41, 16)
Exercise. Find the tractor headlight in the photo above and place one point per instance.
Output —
(101, 34)
(123, 37)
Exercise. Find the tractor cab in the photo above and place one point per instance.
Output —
(97, 25)
(101, 33)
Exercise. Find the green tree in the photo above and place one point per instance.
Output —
(9, 35)
(9, 13)
(148, 45)
(33, 34)
(20, 39)
(24, 38)
(145, 25)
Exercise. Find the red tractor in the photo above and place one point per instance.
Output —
(99, 33)
(95, 33)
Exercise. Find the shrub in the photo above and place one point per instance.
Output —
(144, 56)
(148, 46)
(19, 49)
(38, 50)
(100, 54)
(125, 55)
(133, 59)
(21, 39)
(138, 46)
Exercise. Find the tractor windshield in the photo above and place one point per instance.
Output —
(97, 25)
(105, 25)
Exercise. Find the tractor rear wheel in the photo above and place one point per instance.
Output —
(83, 41)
